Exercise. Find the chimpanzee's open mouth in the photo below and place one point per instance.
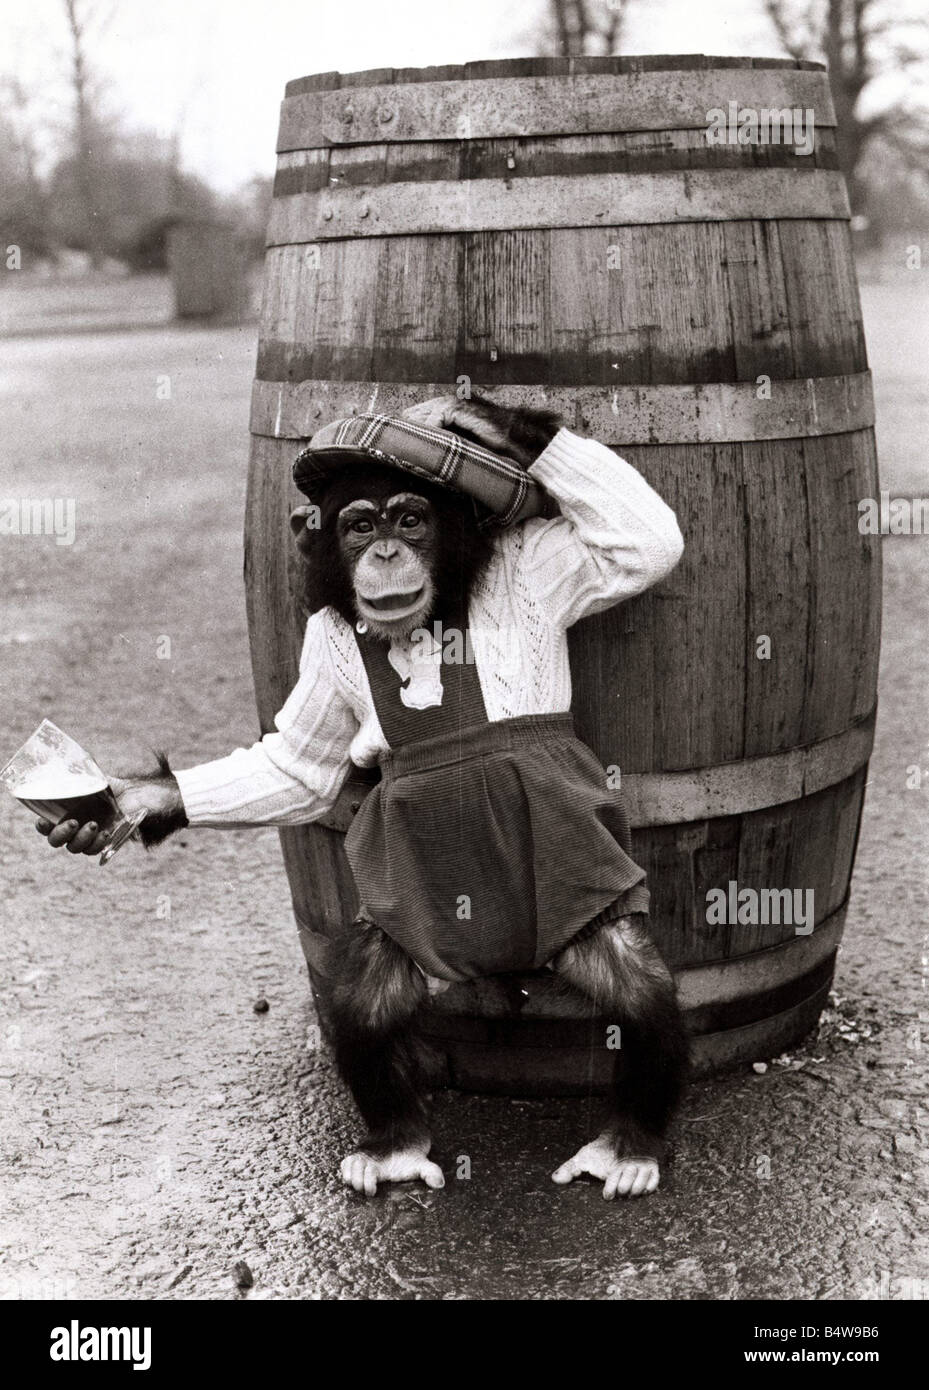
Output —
(394, 604)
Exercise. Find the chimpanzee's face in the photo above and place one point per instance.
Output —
(389, 544)
(390, 548)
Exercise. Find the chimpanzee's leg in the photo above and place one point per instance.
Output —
(375, 992)
(620, 970)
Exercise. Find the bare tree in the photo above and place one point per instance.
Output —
(860, 40)
(25, 198)
(588, 26)
(90, 138)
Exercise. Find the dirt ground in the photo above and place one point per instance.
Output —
(158, 1135)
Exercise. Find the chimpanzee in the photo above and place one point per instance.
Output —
(494, 842)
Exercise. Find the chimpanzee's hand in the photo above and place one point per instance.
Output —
(160, 798)
(487, 424)
(515, 431)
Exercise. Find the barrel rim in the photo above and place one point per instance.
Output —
(543, 202)
(470, 1064)
(537, 67)
(287, 406)
(712, 791)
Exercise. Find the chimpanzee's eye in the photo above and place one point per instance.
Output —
(410, 519)
(361, 526)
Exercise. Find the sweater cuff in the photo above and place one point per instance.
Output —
(560, 453)
(198, 791)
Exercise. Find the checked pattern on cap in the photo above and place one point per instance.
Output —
(438, 455)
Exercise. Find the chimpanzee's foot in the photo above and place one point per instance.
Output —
(363, 1172)
(623, 1175)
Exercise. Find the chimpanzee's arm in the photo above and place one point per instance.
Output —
(158, 825)
(293, 774)
(614, 538)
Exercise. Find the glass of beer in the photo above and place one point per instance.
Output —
(57, 779)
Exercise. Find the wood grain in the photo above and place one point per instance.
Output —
(588, 257)
(560, 104)
(591, 200)
(703, 413)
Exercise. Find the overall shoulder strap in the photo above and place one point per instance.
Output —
(461, 705)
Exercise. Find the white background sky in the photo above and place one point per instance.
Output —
(223, 63)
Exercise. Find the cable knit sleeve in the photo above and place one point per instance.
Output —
(291, 776)
(615, 537)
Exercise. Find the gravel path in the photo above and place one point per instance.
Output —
(159, 1138)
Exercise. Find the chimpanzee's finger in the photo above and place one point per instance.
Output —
(627, 1176)
(433, 414)
(569, 1170)
(643, 1181)
(431, 1174)
(79, 843)
(357, 1172)
(44, 827)
(62, 833)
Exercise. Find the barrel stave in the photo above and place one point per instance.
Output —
(712, 335)
(545, 305)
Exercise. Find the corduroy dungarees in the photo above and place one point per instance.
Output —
(487, 846)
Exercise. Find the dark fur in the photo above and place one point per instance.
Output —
(527, 431)
(620, 969)
(156, 828)
(463, 552)
(375, 990)
(375, 993)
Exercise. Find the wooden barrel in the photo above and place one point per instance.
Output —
(564, 233)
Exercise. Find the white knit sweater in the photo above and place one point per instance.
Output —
(615, 537)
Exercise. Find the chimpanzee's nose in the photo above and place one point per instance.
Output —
(386, 550)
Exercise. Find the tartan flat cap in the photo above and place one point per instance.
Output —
(504, 489)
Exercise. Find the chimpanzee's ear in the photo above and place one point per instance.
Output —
(298, 525)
